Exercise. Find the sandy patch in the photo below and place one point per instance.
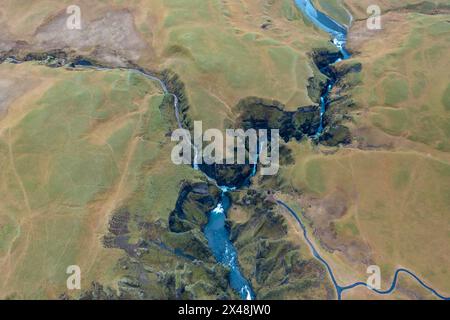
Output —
(110, 37)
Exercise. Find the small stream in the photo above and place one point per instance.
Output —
(338, 35)
(341, 289)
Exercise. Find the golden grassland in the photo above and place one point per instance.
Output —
(74, 149)
(358, 8)
(222, 50)
(396, 203)
(405, 87)
(335, 9)
(340, 10)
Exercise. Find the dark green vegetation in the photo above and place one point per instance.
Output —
(345, 77)
(277, 267)
(261, 113)
(257, 113)
(228, 174)
(167, 259)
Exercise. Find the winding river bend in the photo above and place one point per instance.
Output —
(340, 289)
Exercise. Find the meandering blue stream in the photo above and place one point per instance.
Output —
(340, 289)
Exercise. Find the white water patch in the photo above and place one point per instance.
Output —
(226, 189)
(248, 294)
(219, 209)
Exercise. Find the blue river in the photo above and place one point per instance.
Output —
(219, 242)
(218, 236)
